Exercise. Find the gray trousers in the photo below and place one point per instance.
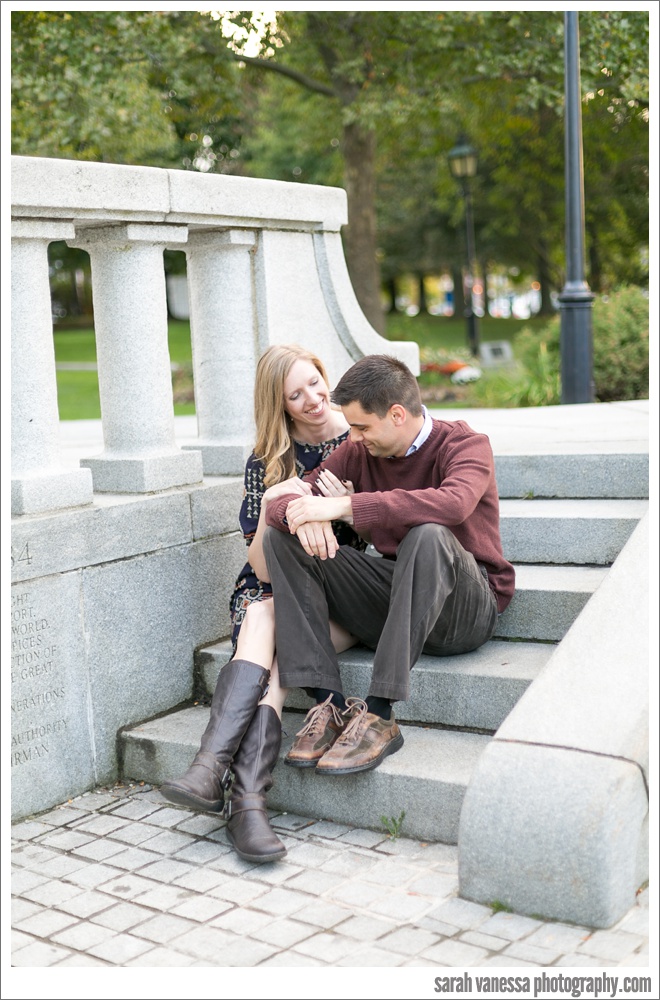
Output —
(434, 598)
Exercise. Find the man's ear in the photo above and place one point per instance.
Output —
(398, 414)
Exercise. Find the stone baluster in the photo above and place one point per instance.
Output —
(222, 319)
(39, 481)
(135, 381)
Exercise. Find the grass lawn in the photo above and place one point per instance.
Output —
(78, 392)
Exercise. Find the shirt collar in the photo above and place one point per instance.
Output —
(427, 427)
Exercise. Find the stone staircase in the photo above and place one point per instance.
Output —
(564, 519)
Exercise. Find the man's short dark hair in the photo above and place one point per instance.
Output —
(377, 382)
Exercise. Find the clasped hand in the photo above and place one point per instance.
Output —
(310, 517)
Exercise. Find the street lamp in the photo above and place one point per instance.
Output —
(463, 165)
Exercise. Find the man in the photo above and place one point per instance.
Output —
(425, 497)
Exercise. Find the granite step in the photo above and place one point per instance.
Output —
(547, 601)
(601, 474)
(578, 532)
(474, 691)
(426, 779)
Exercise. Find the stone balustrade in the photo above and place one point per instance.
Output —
(265, 266)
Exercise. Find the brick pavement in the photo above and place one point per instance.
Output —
(119, 878)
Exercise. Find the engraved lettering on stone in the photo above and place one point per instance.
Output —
(37, 692)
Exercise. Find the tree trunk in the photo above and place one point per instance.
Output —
(423, 304)
(547, 309)
(359, 149)
(390, 288)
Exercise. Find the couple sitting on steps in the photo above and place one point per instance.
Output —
(324, 480)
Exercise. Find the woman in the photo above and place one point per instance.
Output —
(297, 428)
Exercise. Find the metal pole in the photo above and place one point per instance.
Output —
(576, 297)
(471, 319)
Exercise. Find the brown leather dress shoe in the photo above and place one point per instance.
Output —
(364, 743)
(323, 724)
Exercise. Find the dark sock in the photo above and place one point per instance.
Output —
(322, 694)
(379, 706)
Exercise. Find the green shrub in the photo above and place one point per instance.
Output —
(620, 324)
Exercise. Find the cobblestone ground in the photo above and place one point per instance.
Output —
(119, 877)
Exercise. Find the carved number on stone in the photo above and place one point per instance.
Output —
(23, 557)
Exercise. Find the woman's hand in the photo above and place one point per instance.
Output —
(330, 486)
(293, 485)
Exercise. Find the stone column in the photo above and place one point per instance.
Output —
(39, 481)
(135, 380)
(222, 320)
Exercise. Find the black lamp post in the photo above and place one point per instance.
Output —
(576, 298)
(463, 165)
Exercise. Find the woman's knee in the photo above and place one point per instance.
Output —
(259, 615)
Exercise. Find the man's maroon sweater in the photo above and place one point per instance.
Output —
(450, 480)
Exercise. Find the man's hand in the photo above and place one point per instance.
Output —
(318, 539)
(305, 509)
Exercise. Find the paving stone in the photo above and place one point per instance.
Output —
(510, 926)
(127, 886)
(362, 838)
(201, 824)
(30, 829)
(231, 864)
(456, 953)
(419, 963)
(371, 958)
(65, 840)
(162, 928)
(22, 880)
(201, 908)
(241, 920)
(170, 842)
(439, 854)
(314, 881)
(390, 872)
(53, 892)
(102, 825)
(615, 945)
(20, 940)
(483, 940)
(329, 948)
(23, 908)
(99, 850)
(62, 866)
(289, 821)
(331, 831)
(245, 953)
(401, 906)
(161, 958)
(439, 927)
(163, 871)
(559, 937)
(83, 936)
(350, 863)
(119, 949)
(290, 960)
(122, 916)
(436, 884)
(39, 955)
(202, 852)
(201, 879)
(274, 873)
(135, 833)
(235, 890)
(402, 847)
(357, 893)
(283, 933)
(63, 816)
(364, 928)
(322, 913)
(86, 904)
(531, 953)
(163, 897)
(135, 809)
(92, 876)
(310, 853)
(636, 960)
(137, 857)
(636, 921)
(280, 902)
(500, 961)
(204, 941)
(80, 962)
(568, 961)
(168, 817)
(29, 855)
(407, 940)
(95, 800)
(46, 923)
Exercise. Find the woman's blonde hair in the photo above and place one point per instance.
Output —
(274, 445)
